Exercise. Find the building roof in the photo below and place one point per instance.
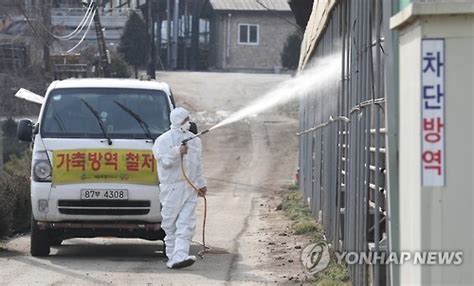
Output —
(250, 5)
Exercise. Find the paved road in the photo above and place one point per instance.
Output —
(245, 163)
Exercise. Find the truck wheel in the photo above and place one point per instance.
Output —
(40, 245)
(164, 249)
(161, 234)
(55, 241)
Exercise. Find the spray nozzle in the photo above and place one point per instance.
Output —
(185, 141)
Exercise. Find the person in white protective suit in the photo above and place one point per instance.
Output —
(178, 198)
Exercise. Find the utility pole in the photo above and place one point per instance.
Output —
(46, 19)
(153, 39)
(186, 34)
(104, 64)
(151, 32)
(159, 36)
(1, 146)
(168, 33)
(174, 54)
(196, 12)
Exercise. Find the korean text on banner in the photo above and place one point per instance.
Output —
(432, 113)
(104, 166)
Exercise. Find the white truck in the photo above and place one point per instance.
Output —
(93, 172)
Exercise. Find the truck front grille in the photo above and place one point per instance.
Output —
(103, 207)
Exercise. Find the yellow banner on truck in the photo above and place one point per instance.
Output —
(104, 166)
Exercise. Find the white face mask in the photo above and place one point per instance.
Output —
(186, 126)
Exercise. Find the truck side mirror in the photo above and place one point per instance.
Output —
(24, 131)
(193, 128)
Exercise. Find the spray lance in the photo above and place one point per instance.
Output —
(194, 136)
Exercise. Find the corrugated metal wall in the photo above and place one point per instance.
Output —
(342, 163)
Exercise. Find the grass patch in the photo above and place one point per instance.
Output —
(334, 275)
(297, 210)
(304, 224)
(293, 187)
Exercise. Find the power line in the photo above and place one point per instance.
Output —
(68, 37)
(85, 33)
(89, 16)
(78, 29)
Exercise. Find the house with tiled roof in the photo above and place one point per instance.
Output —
(248, 35)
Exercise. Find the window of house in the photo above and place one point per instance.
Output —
(248, 34)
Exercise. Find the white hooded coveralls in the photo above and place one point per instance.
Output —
(178, 198)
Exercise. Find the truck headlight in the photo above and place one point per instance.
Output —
(43, 206)
(42, 171)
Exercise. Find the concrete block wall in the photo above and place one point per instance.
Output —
(273, 32)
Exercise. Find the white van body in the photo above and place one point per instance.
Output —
(76, 202)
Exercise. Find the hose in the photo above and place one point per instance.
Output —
(205, 249)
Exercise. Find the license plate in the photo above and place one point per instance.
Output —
(104, 194)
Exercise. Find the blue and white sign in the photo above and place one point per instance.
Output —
(432, 112)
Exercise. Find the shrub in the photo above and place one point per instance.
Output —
(9, 128)
(11, 145)
(133, 43)
(290, 56)
(119, 67)
(7, 202)
(15, 204)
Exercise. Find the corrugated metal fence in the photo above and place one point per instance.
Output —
(342, 148)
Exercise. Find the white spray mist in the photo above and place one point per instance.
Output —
(321, 71)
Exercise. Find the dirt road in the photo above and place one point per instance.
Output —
(245, 165)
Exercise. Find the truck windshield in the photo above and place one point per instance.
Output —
(66, 115)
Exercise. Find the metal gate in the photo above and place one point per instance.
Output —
(342, 138)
